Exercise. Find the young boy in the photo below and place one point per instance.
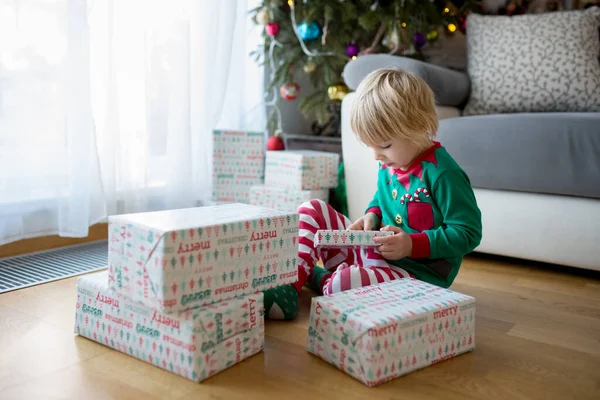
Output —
(423, 196)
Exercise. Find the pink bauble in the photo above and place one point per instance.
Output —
(272, 28)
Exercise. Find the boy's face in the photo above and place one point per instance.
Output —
(397, 153)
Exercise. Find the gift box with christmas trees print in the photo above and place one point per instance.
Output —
(284, 199)
(380, 332)
(346, 238)
(302, 169)
(238, 164)
(179, 259)
(195, 344)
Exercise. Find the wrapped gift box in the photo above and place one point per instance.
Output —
(302, 169)
(346, 238)
(238, 163)
(284, 199)
(231, 194)
(179, 259)
(380, 332)
(195, 344)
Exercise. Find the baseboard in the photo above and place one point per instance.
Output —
(496, 259)
(25, 246)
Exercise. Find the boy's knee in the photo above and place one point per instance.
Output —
(315, 204)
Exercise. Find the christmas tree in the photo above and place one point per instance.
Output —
(318, 38)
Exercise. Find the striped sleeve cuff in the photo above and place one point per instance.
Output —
(420, 245)
(375, 210)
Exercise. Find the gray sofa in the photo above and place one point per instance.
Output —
(536, 175)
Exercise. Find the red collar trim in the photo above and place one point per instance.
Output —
(416, 167)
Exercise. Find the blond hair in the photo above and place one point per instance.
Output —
(392, 104)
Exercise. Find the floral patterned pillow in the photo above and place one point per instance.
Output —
(534, 63)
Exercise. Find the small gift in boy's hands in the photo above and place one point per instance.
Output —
(347, 238)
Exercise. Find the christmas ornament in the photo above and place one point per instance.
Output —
(352, 50)
(419, 40)
(337, 92)
(290, 91)
(309, 67)
(432, 36)
(262, 16)
(391, 40)
(275, 143)
(272, 29)
(462, 24)
(309, 31)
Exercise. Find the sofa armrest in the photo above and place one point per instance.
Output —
(451, 88)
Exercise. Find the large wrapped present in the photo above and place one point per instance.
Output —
(179, 259)
(238, 163)
(380, 332)
(284, 199)
(195, 344)
(347, 238)
(302, 169)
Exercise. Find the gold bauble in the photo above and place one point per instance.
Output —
(263, 17)
(309, 67)
(337, 92)
(432, 36)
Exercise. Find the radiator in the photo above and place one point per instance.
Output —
(33, 269)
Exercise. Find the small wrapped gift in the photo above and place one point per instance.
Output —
(238, 163)
(346, 238)
(230, 193)
(380, 332)
(284, 199)
(302, 169)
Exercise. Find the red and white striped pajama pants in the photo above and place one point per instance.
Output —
(350, 267)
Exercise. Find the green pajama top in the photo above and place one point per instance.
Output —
(433, 201)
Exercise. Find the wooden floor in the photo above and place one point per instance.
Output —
(538, 337)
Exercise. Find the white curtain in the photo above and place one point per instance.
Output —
(107, 106)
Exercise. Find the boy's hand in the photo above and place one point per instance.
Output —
(394, 247)
(368, 222)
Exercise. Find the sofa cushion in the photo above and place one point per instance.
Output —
(534, 63)
(552, 153)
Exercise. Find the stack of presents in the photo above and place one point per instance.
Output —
(183, 289)
(244, 172)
